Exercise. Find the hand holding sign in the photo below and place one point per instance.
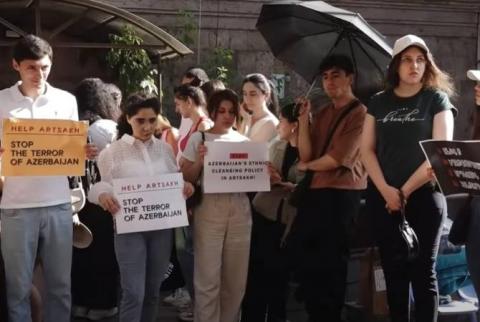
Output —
(39, 147)
(109, 203)
(150, 203)
(236, 167)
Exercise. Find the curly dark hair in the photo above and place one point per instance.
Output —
(94, 101)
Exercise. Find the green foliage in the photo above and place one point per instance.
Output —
(132, 67)
(220, 65)
(219, 62)
(187, 27)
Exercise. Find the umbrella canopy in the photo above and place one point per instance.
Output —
(303, 33)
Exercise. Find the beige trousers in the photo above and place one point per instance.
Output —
(222, 227)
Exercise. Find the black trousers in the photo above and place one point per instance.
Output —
(320, 248)
(95, 277)
(267, 282)
(425, 211)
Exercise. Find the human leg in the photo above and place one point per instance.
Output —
(131, 251)
(425, 211)
(235, 257)
(159, 244)
(55, 250)
(20, 234)
(395, 266)
(209, 230)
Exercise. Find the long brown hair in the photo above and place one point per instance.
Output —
(433, 77)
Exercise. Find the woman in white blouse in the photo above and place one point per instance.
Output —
(222, 223)
(259, 109)
(143, 257)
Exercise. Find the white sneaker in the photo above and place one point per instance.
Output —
(179, 298)
(79, 311)
(95, 315)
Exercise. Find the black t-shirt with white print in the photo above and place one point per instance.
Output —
(401, 122)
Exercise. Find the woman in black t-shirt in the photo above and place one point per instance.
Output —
(414, 107)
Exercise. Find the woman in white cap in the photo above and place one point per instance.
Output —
(415, 106)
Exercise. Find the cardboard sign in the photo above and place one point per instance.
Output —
(150, 203)
(456, 165)
(236, 167)
(43, 147)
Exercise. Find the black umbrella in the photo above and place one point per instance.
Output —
(303, 33)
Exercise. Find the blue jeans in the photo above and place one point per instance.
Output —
(184, 247)
(473, 244)
(26, 233)
(452, 272)
(143, 259)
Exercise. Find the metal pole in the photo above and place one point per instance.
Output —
(160, 81)
(199, 31)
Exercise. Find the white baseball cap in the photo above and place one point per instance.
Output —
(474, 75)
(406, 41)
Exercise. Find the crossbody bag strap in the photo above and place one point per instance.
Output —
(332, 130)
(203, 142)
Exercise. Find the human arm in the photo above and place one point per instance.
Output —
(370, 162)
(324, 163)
(191, 162)
(246, 119)
(101, 193)
(265, 133)
(304, 141)
(442, 130)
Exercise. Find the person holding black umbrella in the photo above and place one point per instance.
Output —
(329, 151)
(415, 106)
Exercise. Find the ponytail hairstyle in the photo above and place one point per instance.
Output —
(133, 104)
(267, 88)
(186, 91)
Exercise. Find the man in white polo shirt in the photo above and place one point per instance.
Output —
(36, 213)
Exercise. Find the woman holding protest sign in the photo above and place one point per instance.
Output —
(222, 222)
(414, 107)
(143, 257)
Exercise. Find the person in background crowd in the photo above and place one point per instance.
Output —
(143, 257)
(167, 133)
(259, 122)
(94, 269)
(189, 101)
(117, 96)
(181, 298)
(268, 290)
(415, 106)
(473, 238)
(329, 147)
(211, 87)
(222, 223)
(196, 77)
(36, 212)
(259, 109)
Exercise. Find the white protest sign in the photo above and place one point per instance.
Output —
(236, 167)
(150, 203)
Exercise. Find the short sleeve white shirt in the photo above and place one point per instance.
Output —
(191, 150)
(36, 191)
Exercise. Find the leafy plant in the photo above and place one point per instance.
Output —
(132, 67)
(219, 64)
(187, 27)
